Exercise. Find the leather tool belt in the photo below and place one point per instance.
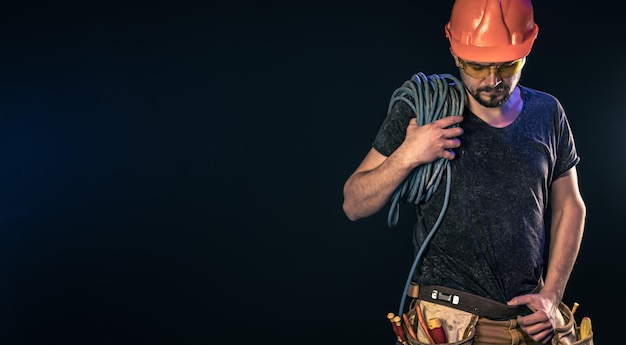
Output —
(481, 306)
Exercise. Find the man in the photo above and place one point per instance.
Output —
(512, 158)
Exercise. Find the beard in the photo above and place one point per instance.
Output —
(492, 100)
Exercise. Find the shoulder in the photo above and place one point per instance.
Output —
(539, 101)
(534, 95)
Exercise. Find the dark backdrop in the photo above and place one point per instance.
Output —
(172, 172)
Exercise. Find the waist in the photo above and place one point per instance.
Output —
(471, 303)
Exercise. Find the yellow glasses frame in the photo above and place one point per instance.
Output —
(503, 70)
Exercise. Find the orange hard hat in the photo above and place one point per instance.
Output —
(491, 30)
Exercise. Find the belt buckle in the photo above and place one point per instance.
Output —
(450, 298)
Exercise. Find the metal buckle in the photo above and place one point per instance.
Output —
(454, 299)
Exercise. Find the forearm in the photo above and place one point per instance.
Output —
(373, 183)
(367, 192)
(566, 235)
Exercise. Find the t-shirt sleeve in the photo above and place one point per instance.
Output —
(393, 129)
(567, 156)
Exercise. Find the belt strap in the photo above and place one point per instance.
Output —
(468, 302)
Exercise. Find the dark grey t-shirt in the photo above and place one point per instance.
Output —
(492, 237)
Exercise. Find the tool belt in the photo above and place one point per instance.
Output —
(468, 302)
(459, 314)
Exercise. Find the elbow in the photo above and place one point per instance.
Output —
(350, 212)
(356, 208)
(576, 212)
(583, 210)
(349, 205)
(580, 207)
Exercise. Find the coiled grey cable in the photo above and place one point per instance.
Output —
(431, 98)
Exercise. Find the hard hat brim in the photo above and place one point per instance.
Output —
(510, 52)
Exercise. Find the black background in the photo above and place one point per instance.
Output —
(172, 172)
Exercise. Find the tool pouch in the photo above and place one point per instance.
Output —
(459, 325)
(569, 333)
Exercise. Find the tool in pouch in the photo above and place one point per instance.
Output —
(583, 330)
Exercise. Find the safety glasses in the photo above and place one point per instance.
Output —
(504, 70)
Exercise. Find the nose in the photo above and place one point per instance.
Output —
(493, 79)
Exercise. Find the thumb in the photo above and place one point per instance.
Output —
(518, 300)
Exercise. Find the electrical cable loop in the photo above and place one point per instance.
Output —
(431, 98)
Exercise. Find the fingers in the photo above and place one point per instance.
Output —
(450, 141)
(450, 120)
(537, 326)
(448, 154)
(444, 122)
(540, 332)
(519, 300)
(433, 140)
(540, 324)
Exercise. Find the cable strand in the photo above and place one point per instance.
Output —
(430, 98)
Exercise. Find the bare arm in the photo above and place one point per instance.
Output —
(369, 188)
(568, 221)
